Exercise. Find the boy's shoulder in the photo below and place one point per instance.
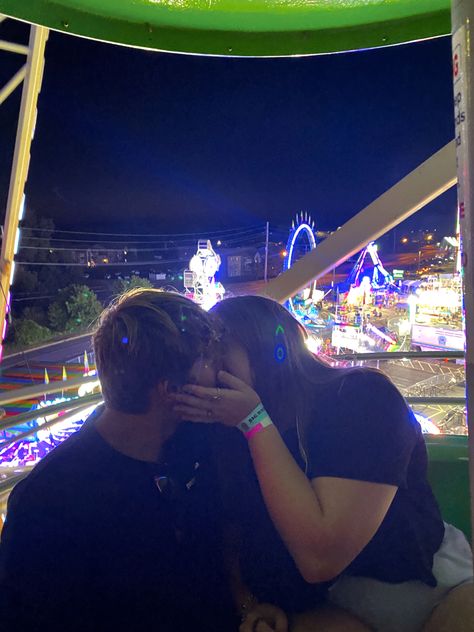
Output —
(64, 471)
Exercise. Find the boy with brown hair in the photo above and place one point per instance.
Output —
(117, 529)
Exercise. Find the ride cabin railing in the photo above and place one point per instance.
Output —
(448, 466)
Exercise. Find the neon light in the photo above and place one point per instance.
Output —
(313, 344)
(309, 232)
(12, 273)
(17, 241)
(427, 426)
(289, 259)
(4, 331)
(88, 388)
(280, 353)
(199, 280)
(380, 276)
(22, 208)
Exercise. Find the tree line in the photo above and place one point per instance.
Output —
(51, 300)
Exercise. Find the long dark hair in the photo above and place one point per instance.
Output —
(287, 376)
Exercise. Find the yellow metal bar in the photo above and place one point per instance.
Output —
(11, 85)
(12, 47)
(21, 158)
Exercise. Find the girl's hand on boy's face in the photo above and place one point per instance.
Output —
(228, 405)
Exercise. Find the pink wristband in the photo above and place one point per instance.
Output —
(256, 421)
(264, 423)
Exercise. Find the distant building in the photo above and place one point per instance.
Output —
(246, 263)
(98, 255)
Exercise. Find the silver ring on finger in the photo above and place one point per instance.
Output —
(218, 394)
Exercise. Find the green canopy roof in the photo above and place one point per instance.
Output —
(241, 27)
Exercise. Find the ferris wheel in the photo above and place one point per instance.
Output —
(302, 226)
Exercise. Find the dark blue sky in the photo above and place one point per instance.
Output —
(128, 139)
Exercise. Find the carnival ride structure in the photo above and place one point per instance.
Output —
(199, 281)
(380, 279)
(304, 304)
(367, 284)
(46, 423)
(435, 314)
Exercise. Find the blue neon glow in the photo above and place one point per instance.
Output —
(280, 353)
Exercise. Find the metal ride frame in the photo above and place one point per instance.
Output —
(32, 75)
(81, 403)
(379, 270)
(451, 164)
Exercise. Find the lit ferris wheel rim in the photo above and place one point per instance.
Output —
(303, 225)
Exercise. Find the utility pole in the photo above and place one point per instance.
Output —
(267, 234)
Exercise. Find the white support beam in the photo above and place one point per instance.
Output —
(21, 159)
(11, 85)
(12, 47)
(432, 178)
(462, 14)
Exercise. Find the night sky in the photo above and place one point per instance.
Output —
(129, 140)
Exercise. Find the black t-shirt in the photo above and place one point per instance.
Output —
(90, 542)
(360, 428)
(364, 430)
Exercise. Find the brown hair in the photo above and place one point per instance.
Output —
(286, 374)
(144, 337)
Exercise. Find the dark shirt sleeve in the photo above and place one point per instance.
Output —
(367, 432)
(41, 574)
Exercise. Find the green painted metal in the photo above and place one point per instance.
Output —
(241, 27)
(449, 476)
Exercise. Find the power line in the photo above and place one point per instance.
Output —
(250, 240)
(156, 262)
(125, 235)
(175, 243)
(42, 298)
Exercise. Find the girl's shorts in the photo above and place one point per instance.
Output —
(405, 607)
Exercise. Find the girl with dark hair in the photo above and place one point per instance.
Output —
(326, 484)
